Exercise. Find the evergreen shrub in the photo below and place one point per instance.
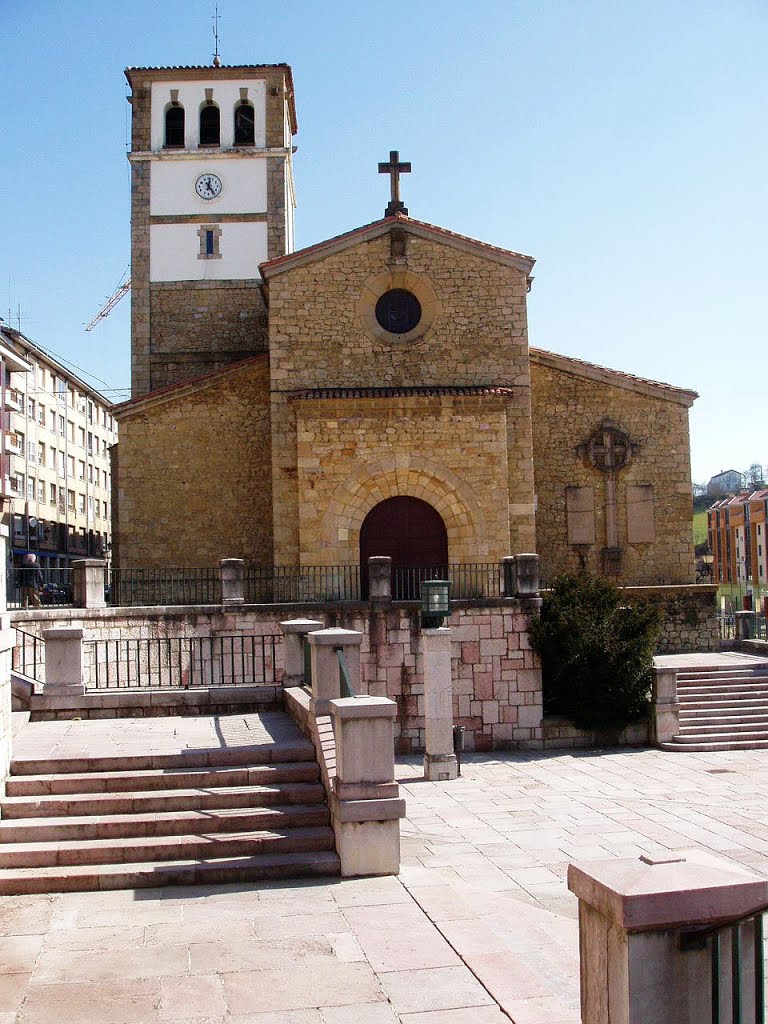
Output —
(596, 653)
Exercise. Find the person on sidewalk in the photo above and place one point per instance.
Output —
(31, 582)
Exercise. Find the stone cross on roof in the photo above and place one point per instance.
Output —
(394, 169)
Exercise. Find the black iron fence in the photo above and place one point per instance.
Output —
(736, 970)
(286, 584)
(180, 662)
(132, 587)
(57, 589)
(28, 656)
(470, 580)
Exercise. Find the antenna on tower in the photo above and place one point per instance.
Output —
(215, 20)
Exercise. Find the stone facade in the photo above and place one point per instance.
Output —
(473, 336)
(570, 400)
(199, 326)
(202, 455)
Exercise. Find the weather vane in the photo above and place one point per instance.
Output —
(215, 20)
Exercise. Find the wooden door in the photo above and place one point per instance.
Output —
(412, 533)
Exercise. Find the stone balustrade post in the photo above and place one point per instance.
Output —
(745, 622)
(326, 681)
(294, 638)
(63, 660)
(644, 956)
(526, 576)
(367, 808)
(665, 720)
(232, 573)
(88, 581)
(380, 578)
(440, 761)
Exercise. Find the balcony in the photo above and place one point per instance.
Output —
(13, 400)
(14, 444)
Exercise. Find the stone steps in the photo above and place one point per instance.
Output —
(722, 709)
(185, 817)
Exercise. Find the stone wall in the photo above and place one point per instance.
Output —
(567, 409)
(354, 453)
(199, 326)
(497, 681)
(690, 616)
(194, 474)
(473, 333)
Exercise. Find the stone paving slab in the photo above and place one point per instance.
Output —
(479, 928)
(130, 736)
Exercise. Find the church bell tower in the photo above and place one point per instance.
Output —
(212, 197)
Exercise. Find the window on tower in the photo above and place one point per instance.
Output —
(244, 125)
(174, 126)
(210, 125)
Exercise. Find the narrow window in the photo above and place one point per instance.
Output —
(209, 236)
(209, 250)
(174, 126)
(244, 125)
(209, 125)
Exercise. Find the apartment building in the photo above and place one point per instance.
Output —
(738, 538)
(56, 435)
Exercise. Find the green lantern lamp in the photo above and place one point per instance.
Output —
(435, 603)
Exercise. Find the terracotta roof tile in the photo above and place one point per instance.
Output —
(398, 392)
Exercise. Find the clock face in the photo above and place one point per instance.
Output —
(208, 186)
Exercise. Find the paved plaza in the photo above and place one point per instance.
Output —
(479, 926)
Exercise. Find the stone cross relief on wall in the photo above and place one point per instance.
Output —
(609, 450)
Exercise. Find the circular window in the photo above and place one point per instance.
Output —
(398, 311)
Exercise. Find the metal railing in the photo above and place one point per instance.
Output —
(28, 656)
(180, 662)
(286, 584)
(57, 591)
(135, 587)
(470, 580)
(345, 680)
(737, 970)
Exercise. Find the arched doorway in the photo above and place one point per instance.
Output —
(412, 533)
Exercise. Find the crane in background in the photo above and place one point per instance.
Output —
(112, 301)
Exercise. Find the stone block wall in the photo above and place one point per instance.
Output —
(690, 616)
(194, 474)
(473, 333)
(496, 678)
(567, 409)
(199, 326)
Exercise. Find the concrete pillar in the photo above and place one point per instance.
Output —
(643, 957)
(745, 625)
(63, 660)
(439, 759)
(326, 684)
(380, 578)
(665, 722)
(294, 638)
(527, 575)
(368, 808)
(88, 581)
(232, 571)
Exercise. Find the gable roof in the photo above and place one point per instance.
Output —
(184, 387)
(376, 228)
(616, 378)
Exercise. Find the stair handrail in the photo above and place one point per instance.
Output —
(28, 640)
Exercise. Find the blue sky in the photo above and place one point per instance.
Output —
(621, 144)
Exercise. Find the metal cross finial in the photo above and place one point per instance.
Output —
(394, 169)
(215, 19)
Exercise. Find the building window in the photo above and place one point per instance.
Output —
(174, 126)
(31, 451)
(80, 470)
(31, 484)
(71, 465)
(81, 436)
(244, 125)
(41, 415)
(71, 429)
(61, 427)
(90, 443)
(81, 504)
(71, 500)
(31, 408)
(90, 506)
(210, 236)
(210, 131)
(62, 464)
(41, 491)
(52, 493)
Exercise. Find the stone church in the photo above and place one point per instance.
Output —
(374, 393)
